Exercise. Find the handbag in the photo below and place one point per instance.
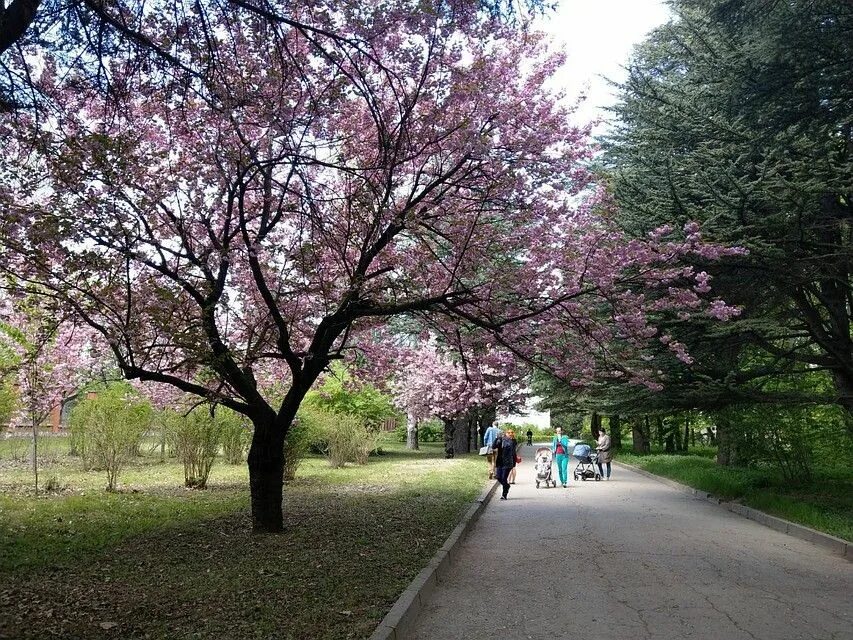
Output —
(485, 451)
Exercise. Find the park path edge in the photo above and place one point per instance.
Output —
(397, 622)
(837, 546)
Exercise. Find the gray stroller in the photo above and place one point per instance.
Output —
(587, 459)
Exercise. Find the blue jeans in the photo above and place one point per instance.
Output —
(563, 467)
(502, 474)
(601, 471)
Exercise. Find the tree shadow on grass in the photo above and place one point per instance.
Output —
(340, 565)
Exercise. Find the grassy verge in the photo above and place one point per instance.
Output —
(825, 504)
(158, 561)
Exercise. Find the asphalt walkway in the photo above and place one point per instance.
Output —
(633, 558)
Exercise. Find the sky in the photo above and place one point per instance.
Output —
(598, 36)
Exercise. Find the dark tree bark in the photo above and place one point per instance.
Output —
(641, 441)
(595, 425)
(615, 432)
(659, 430)
(266, 458)
(461, 439)
(266, 478)
(15, 19)
(685, 441)
(449, 431)
(668, 434)
(726, 444)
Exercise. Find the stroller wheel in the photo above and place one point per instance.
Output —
(583, 478)
(537, 484)
(597, 477)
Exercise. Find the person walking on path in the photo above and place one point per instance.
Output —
(605, 455)
(492, 434)
(505, 452)
(560, 449)
(530, 436)
(514, 470)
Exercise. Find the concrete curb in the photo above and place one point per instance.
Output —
(396, 623)
(834, 545)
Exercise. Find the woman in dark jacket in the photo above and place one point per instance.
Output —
(505, 452)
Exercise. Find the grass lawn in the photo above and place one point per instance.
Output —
(825, 504)
(159, 561)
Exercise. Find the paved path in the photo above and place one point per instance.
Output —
(633, 558)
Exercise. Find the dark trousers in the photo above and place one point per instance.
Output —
(601, 471)
(503, 474)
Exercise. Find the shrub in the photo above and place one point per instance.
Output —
(195, 437)
(428, 431)
(109, 427)
(305, 434)
(344, 435)
(236, 436)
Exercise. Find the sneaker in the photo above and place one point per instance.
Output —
(503, 497)
(564, 486)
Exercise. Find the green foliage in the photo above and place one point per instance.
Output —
(344, 438)
(737, 115)
(8, 404)
(109, 427)
(195, 438)
(341, 394)
(791, 439)
(236, 435)
(308, 429)
(428, 431)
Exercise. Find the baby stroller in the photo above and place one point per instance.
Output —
(586, 463)
(544, 457)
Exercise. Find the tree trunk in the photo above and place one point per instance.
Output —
(641, 442)
(412, 433)
(461, 439)
(844, 386)
(595, 425)
(659, 435)
(615, 432)
(685, 441)
(670, 442)
(726, 445)
(266, 477)
(449, 430)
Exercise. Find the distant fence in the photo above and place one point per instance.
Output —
(389, 424)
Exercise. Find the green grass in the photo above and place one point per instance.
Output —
(825, 504)
(165, 562)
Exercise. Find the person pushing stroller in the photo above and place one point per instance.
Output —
(561, 450)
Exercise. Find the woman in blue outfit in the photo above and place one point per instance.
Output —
(561, 450)
(506, 448)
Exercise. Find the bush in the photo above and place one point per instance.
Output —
(304, 435)
(236, 436)
(195, 438)
(345, 436)
(428, 431)
(109, 428)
